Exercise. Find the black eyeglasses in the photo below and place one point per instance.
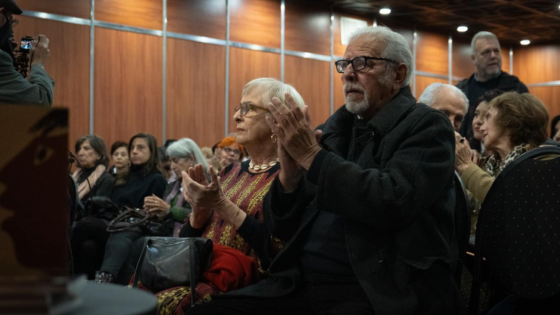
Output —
(247, 107)
(358, 63)
(229, 150)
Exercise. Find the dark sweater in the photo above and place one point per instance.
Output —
(102, 187)
(137, 187)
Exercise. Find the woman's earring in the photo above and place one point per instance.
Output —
(273, 137)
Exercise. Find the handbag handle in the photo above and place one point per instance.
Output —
(192, 254)
(135, 279)
(129, 213)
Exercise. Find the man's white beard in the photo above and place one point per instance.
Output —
(356, 107)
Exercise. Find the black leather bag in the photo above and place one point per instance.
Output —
(168, 262)
(149, 224)
(101, 207)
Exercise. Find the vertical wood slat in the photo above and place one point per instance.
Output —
(128, 89)
(246, 65)
(138, 13)
(311, 79)
(195, 106)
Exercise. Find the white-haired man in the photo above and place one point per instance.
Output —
(487, 59)
(367, 212)
(447, 99)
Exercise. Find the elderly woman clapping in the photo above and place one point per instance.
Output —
(515, 123)
(228, 209)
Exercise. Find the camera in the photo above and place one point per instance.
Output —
(26, 43)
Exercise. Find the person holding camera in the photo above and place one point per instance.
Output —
(38, 88)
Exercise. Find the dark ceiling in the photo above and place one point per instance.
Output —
(510, 20)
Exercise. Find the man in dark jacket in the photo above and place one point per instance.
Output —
(487, 59)
(38, 88)
(366, 213)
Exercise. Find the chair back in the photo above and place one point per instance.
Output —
(518, 230)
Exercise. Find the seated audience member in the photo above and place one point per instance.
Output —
(228, 151)
(447, 99)
(119, 156)
(38, 88)
(92, 162)
(183, 154)
(229, 211)
(480, 110)
(555, 129)
(143, 179)
(92, 180)
(515, 123)
(165, 164)
(367, 213)
(211, 158)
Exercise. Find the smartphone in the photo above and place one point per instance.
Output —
(26, 43)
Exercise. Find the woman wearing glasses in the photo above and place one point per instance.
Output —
(229, 209)
(229, 151)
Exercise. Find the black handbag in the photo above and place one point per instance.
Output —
(148, 223)
(100, 207)
(164, 263)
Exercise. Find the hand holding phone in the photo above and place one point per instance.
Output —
(40, 52)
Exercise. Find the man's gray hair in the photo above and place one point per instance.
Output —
(396, 46)
(186, 149)
(268, 88)
(482, 34)
(431, 92)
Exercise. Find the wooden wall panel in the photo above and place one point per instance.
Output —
(195, 101)
(338, 91)
(244, 66)
(311, 79)
(308, 28)
(68, 66)
(75, 8)
(128, 85)
(339, 49)
(422, 83)
(505, 59)
(197, 17)
(255, 22)
(462, 65)
(550, 96)
(432, 52)
(537, 64)
(139, 13)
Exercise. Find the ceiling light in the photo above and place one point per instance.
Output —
(525, 42)
(462, 29)
(385, 11)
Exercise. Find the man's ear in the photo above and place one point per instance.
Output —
(400, 76)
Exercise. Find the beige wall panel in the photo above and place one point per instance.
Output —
(128, 85)
(195, 91)
(311, 79)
